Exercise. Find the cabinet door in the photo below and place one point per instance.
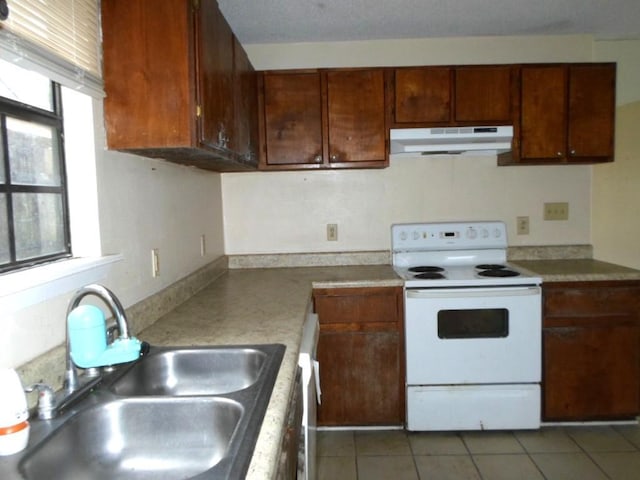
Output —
(591, 111)
(359, 378)
(245, 139)
(591, 371)
(543, 113)
(483, 95)
(423, 95)
(214, 44)
(355, 111)
(292, 119)
(150, 101)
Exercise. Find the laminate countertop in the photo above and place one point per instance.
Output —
(249, 306)
(578, 270)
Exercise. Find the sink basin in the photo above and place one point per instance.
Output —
(138, 439)
(193, 412)
(192, 371)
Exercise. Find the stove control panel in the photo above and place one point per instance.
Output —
(448, 236)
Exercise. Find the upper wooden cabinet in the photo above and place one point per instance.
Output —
(448, 96)
(174, 76)
(566, 114)
(322, 119)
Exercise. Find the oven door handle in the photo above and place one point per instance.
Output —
(473, 292)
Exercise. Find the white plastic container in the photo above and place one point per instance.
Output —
(14, 425)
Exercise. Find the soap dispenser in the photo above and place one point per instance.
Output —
(14, 424)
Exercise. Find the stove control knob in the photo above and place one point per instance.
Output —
(472, 233)
(497, 233)
(484, 233)
(403, 235)
(416, 235)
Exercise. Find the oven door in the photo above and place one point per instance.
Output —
(473, 335)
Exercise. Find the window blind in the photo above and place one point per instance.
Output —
(68, 29)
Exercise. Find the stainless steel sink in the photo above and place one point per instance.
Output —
(192, 371)
(192, 412)
(138, 439)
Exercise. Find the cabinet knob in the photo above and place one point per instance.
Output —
(559, 154)
(223, 139)
(318, 159)
(334, 158)
(573, 152)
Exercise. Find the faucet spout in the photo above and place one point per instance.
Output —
(107, 296)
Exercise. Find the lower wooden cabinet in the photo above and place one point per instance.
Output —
(361, 354)
(591, 350)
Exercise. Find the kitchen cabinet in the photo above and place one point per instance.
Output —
(322, 119)
(288, 462)
(591, 350)
(361, 355)
(565, 115)
(183, 96)
(449, 96)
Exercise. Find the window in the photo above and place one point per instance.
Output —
(34, 220)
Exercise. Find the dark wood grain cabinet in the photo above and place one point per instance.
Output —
(361, 356)
(591, 350)
(322, 119)
(450, 96)
(566, 114)
(178, 84)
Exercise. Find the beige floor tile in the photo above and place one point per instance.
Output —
(547, 440)
(567, 466)
(491, 442)
(630, 432)
(619, 465)
(436, 443)
(446, 467)
(507, 467)
(390, 442)
(600, 439)
(332, 443)
(334, 468)
(393, 467)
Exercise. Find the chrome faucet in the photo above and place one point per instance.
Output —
(107, 296)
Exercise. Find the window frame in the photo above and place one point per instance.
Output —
(55, 120)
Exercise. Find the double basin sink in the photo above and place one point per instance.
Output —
(174, 413)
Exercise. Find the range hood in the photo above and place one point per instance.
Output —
(451, 140)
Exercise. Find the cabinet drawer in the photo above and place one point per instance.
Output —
(358, 305)
(591, 299)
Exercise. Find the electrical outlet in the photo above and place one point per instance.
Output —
(332, 232)
(203, 245)
(522, 225)
(155, 262)
(556, 211)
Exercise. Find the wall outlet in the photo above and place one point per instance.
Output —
(332, 232)
(556, 211)
(155, 262)
(522, 225)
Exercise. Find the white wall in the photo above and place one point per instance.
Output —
(616, 186)
(288, 212)
(144, 204)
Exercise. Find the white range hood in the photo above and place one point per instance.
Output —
(451, 140)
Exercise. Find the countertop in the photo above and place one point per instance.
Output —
(248, 306)
(578, 270)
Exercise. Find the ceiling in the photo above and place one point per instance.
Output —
(286, 21)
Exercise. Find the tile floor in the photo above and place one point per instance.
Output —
(552, 453)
